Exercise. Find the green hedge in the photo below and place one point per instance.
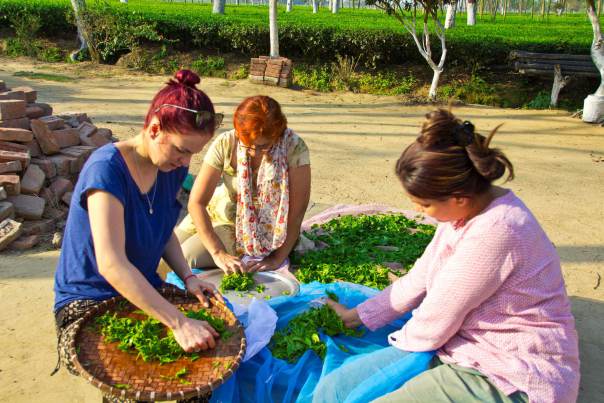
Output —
(369, 34)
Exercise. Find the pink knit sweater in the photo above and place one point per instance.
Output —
(489, 295)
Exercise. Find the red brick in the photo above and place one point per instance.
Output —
(10, 166)
(80, 155)
(7, 210)
(15, 134)
(15, 147)
(25, 242)
(47, 142)
(67, 137)
(6, 156)
(38, 227)
(60, 186)
(34, 148)
(49, 168)
(12, 95)
(28, 207)
(47, 108)
(11, 183)
(33, 180)
(34, 112)
(96, 140)
(12, 109)
(74, 119)
(87, 129)
(53, 122)
(9, 231)
(67, 198)
(21, 123)
(107, 133)
(30, 94)
(62, 163)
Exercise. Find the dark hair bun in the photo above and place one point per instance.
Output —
(187, 77)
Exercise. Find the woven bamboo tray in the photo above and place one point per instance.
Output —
(105, 366)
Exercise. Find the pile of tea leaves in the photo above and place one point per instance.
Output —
(237, 282)
(302, 333)
(149, 338)
(357, 249)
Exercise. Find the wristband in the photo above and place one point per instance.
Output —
(188, 277)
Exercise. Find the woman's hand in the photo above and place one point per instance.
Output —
(350, 317)
(229, 263)
(271, 262)
(200, 288)
(194, 335)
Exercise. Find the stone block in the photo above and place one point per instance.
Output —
(7, 210)
(12, 109)
(87, 129)
(60, 186)
(62, 163)
(67, 198)
(11, 183)
(45, 107)
(74, 119)
(28, 207)
(30, 94)
(56, 214)
(3, 194)
(23, 157)
(10, 167)
(53, 122)
(67, 137)
(32, 180)
(16, 134)
(34, 148)
(25, 242)
(47, 142)
(38, 227)
(21, 123)
(106, 133)
(80, 154)
(16, 147)
(34, 112)
(9, 231)
(47, 166)
(49, 197)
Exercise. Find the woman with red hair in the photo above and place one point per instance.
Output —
(258, 208)
(122, 217)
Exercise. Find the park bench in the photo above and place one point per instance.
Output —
(563, 67)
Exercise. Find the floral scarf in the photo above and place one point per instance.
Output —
(261, 227)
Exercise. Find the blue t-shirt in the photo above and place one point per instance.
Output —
(77, 275)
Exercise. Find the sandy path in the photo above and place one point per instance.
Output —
(354, 142)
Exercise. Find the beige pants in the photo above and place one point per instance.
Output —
(195, 252)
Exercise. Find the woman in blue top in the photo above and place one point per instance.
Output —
(122, 215)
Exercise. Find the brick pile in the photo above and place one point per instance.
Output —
(41, 155)
(271, 71)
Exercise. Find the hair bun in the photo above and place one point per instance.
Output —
(187, 77)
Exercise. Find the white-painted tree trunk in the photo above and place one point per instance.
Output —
(335, 6)
(450, 19)
(593, 107)
(315, 6)
(434, 85)
(273, 28)
(124, 1)
(79, 7)
(471, 12)
(218, 6)
(289, 6)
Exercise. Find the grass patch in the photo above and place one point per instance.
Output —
(43, 76)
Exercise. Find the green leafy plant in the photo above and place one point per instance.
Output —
(474, 91)
(540, 101)
(149, 338)
(357, 249)
(302, 333)
(210, 66)
(237, 282)
(318, 78)
(178, 376)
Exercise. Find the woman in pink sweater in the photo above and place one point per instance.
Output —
(487, 294)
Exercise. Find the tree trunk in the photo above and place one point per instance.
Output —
(288, 7)
(273, 28)
(450, 19)
(560, 82)
(506, 4)
(520, 7)
(434, 85)
(471, 12)
(599, 7)
(542, 8)
(79, 8)
(315, 6)
(218, 7)
(335, 6)
(482, 7)
(597, 45)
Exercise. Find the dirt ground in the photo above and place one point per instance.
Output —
(354, 142)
